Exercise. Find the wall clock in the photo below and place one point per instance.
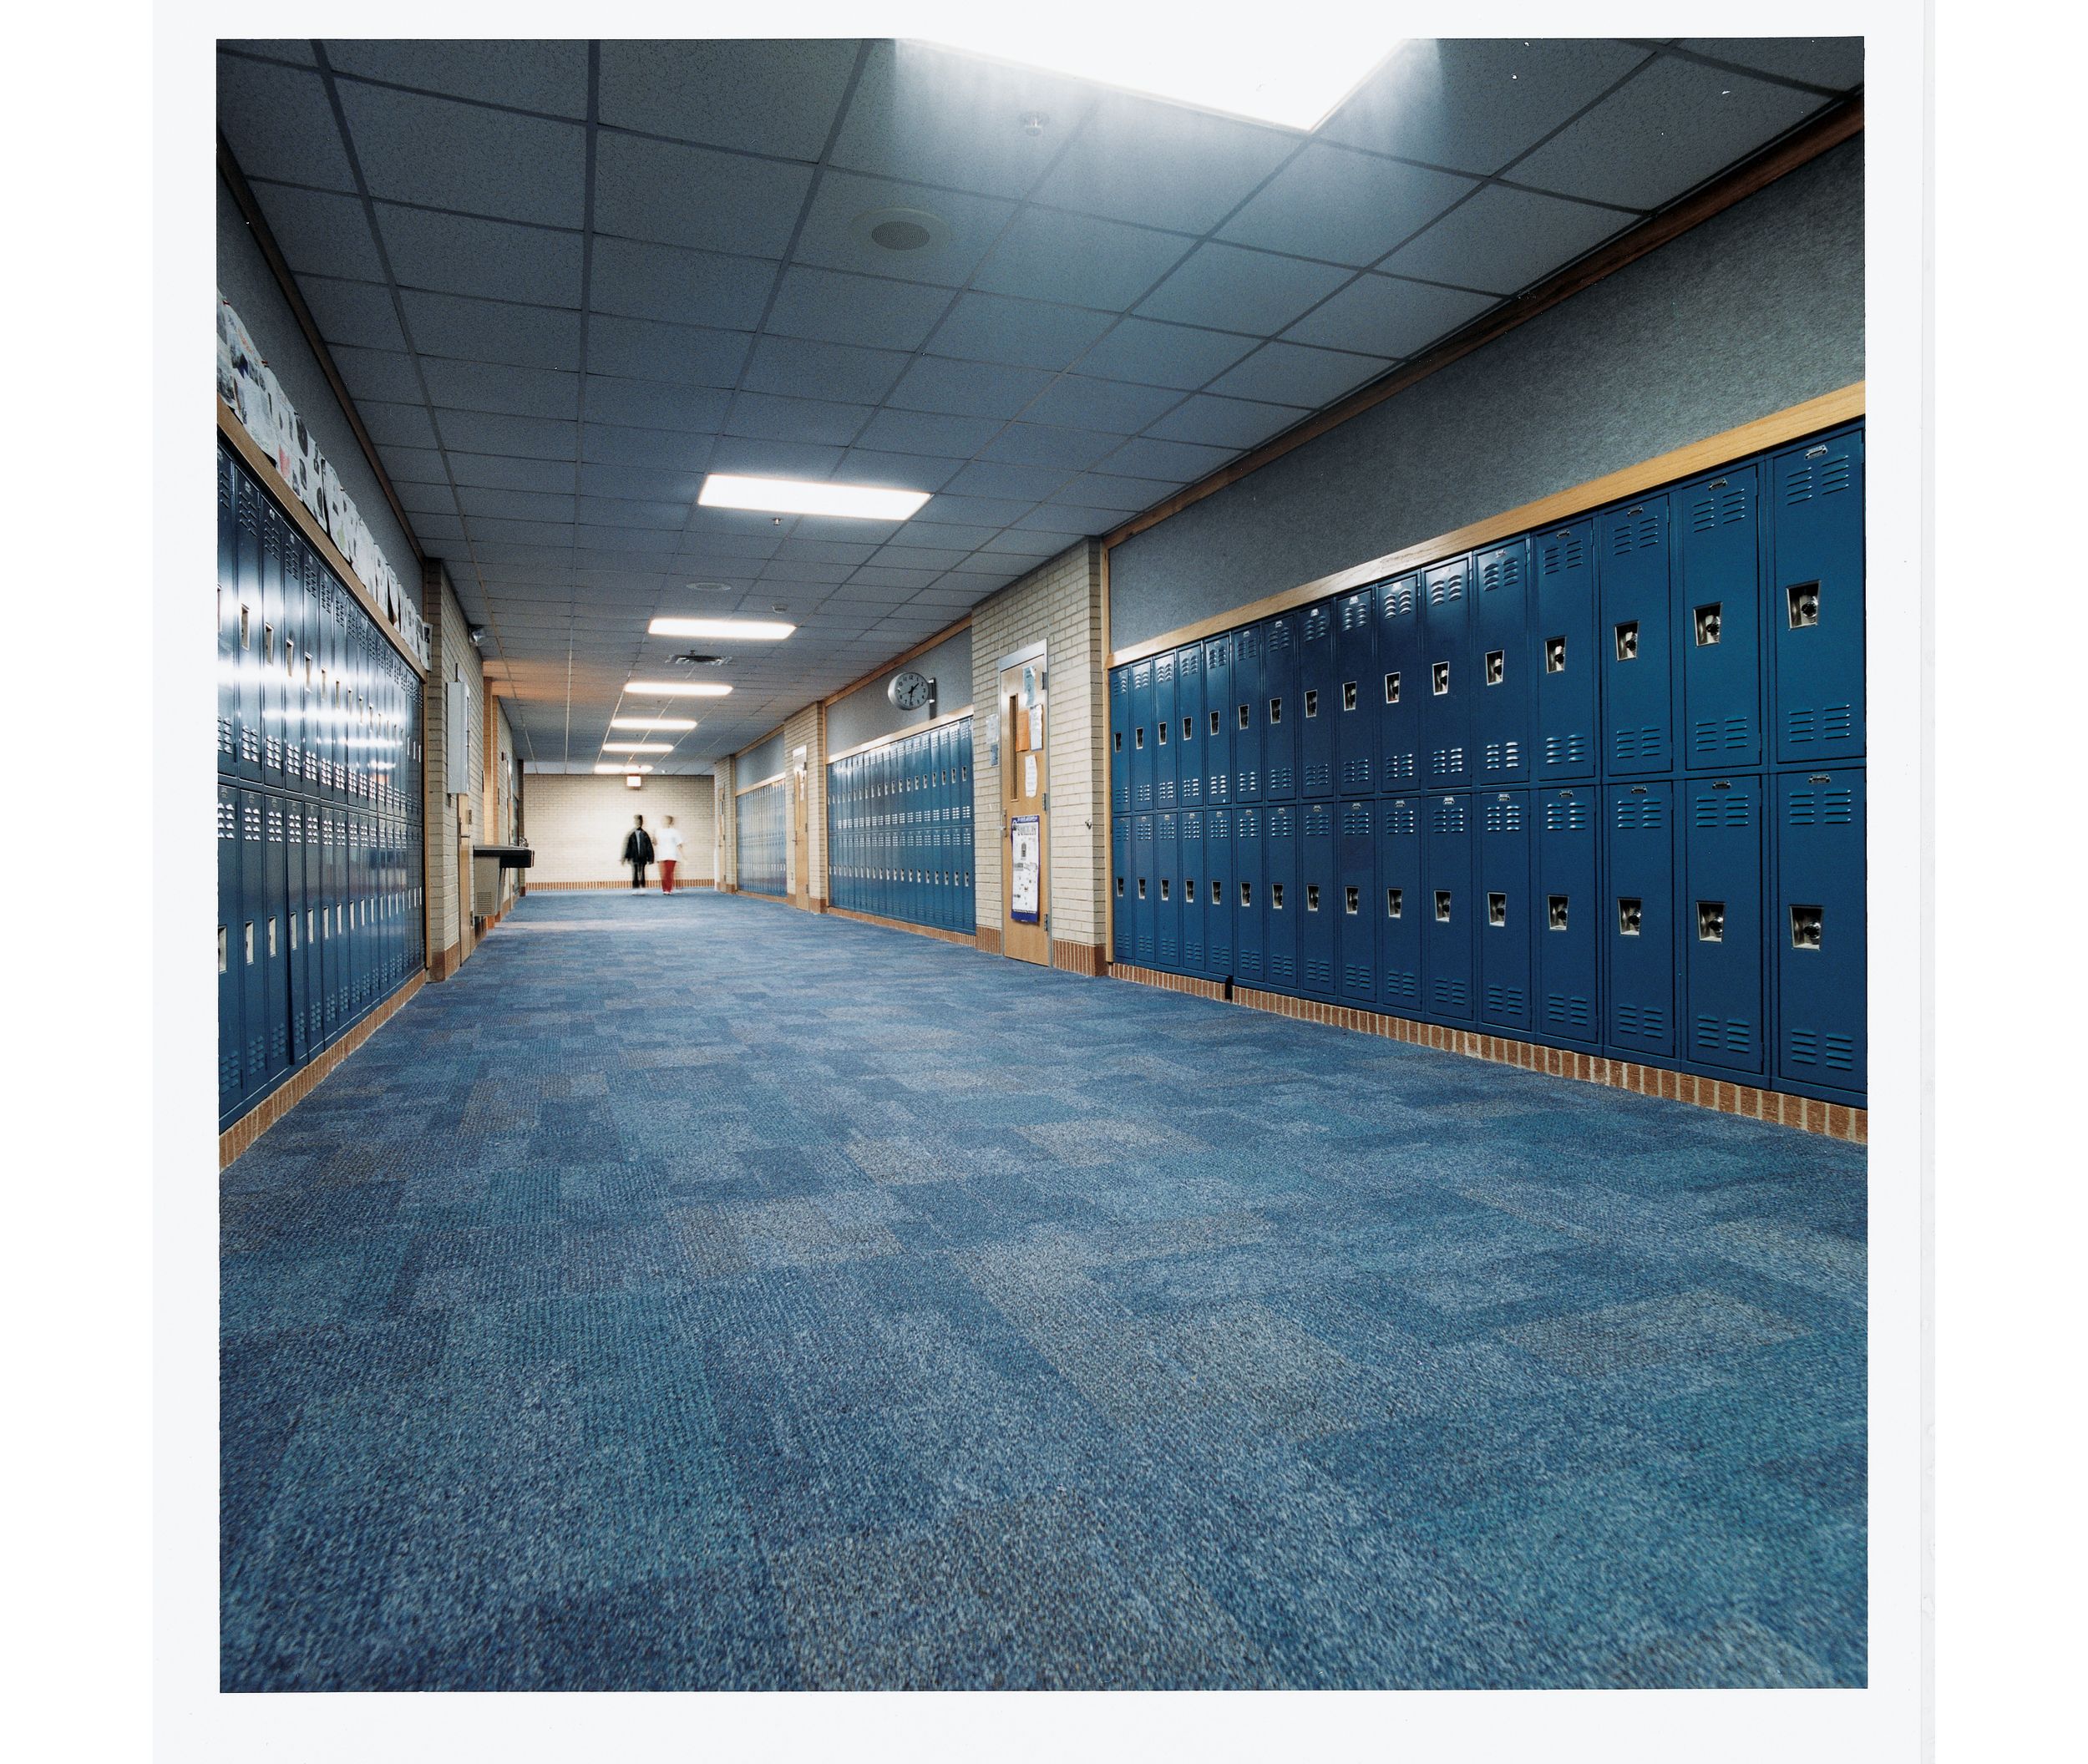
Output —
(909, 691)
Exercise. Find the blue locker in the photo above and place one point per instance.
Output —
(1446, 627)
(1503, 709)
(1403, 683)
(1636, 640)
(250, 950)
(1250, 709)
(1279, 890)
(247, 619)
(1319, 700)
(1447, 922)
(1719, 564)
(1218, 720)
(1399, 904)
(1356, 693)
(1569, 925)
(1219, 896)
(1141, 742)
(1507, 923)
(1562, 653)
(1120, 740)
(1816, 600)
(302, 1042)
(1165, 772)
(1639, 984)
(1122, 936)
(1279, 708)
(299, 572)
(1145, 896)
(232, 974)
(1167, 887)
(1356, 939)
(1819, 934)
(1188, 726)
(1319, 899)
(1250, 899)
(330, 947)
(227, 617)
(1191, 880)
(1722, 928)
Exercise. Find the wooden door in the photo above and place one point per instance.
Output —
(1024, 784)
(800, 846)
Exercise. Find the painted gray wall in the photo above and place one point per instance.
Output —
(764, 759)
(867, 713)
(1759, 308)
(243, 278)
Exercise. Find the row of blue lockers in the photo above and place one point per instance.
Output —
(760, 819)
(899, 829)
(312, 696)
(1714, 925)
(1713, 626)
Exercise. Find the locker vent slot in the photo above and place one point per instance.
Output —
(1446, 762)
(1641, 1023)
(1709, 620)
(1838, 1051)
(1392, 688)
(1805, 1047)
(1565, 750)
(1503, 756)
(1803, 599)
(1497, 909)
(1561, 550)
(1556, 912)
(1806, 927)
(1564, 814)
(1442, 907)
(1450, 995)
(1630, 916)
(1401, 983)
(1710, 921)
(1505, 1001)
(1398, 765)
(1400, 817)
(1554, 655)
(1567, 1008)
(1627, 641)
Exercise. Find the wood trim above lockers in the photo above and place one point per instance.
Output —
(899, 660)
(912, 728)
(763, 784)
(292, 505)
(1713, 451)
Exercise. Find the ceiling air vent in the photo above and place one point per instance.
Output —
(697, 658)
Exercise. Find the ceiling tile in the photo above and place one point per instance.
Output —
(493, 331)
(945, 508)
(403, 425)
(636, 484)
(1012, 483)
(422, 464)
(680, 355)
(452, 254)
(672, 194)
(915, 432)
(735, 453)
(357, 313)
(1351, 207)
(1225, 422)
(847, 531)
(1123, 495)
(649, 404)
(1144, 457)
(517, 392)
(1026, 542)
(1078, 259)
(636, 280)
(738, 545)
(1387, 316)
(652, 516)
(1284, 374)
(1663, 133)
(1474, 104)
(1162, 164)
(546, 76)
(824, 552)
(799, 572)
(280, 124)
(381, 374)
(868, 311)
(1032, 444)
(440, 154)
(898, 471)
(517, 504)
(887, 575)
(437, 529)
(1225, 284)
(325, 234)
(659, 450)
(809, 370)
(277, 48)
(474, 432)
(966, 388)
(925, 534)
(1019, 333)
(973, 222)
(760, 95)
(1834, 61)
(1154, 354)
(763, 417)
(1073, 401)
(1503, 240)
(1066, 520)
(539, 532)
(423, 500)
(501, 473)
(921, 557)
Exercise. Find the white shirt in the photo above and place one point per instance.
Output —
(670, 842)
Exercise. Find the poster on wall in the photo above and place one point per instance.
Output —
(1026, 867)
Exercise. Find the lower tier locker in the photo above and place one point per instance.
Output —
(1356, 921)
(1122, 938)
(301, 1039)
(1399, 905)
(1219, 894)
(270, 910)
(230, 973)
(1144, 895)
(1447, 916)
(1568, 936)
(1250, 899)
(1722, 931)
(333, 977)
(1279, 890)
(249, 949)
(1167, 871)
(1506, 924)
(1819, 935)
(1191, 913)
(1639, 984)
(1319, 891)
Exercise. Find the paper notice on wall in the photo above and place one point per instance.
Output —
(1029, 774)
(1024, 866)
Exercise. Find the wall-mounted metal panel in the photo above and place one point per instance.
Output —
(1318, 701)
(1816, 600)
(1818, 933)
(1449, 685)
(1569, 931)
(1506, 922)
(1448, 923)
(1503, 707)
(1639, 984)
(1633, 562)
(1718, 624)
(1722, 927)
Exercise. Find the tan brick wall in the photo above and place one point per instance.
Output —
(808, 729)
(451, 656)
(577, 823)
(1060, 604)
(724, 822)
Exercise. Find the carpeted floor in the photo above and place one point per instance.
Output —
(693, 1293)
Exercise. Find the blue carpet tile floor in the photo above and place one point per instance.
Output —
(693, 1293)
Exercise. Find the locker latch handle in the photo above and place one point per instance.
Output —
(1441, 678)
(1630, 916)
(1806, 927)
(1497, 668)
(1392, 688)
(1395, 902)
(1554, 655)
(1497, 909)
(1556, 912)
(1627, 641)
(1710, 921)
(1804, 598)
(1709, 621)
(1442, 907)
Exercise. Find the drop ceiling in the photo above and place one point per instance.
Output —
(563, 281)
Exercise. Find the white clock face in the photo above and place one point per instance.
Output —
(908, 690)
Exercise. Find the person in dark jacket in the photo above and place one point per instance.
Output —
(638, 851)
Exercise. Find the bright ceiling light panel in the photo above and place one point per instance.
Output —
(619, 771)
(677, 689)
(1293, 75)
(798, 496)
(653, 723)
(637, 746)
(748, 630)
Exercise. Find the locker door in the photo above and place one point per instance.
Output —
(1640, 934)
(1188, 726)
(1318, 701)
(329, 978)
(1446, 919)
(1191, 881)
(1165, 746)
(1120, 740)
(1815, 601)
(1278, 708)
(248, 618)
(1279, 883)
(1167, 871)
(1718, 562)
(250, 948)
(272, 934)
(1501, 708)
(227, 617)
(1142, 745)
(1250, 711)
(1145, 892)
(1250, 899)
(232, 974)
(1818, 932)
(276, 541)
(1507, 924)
(1401, 677)
(1123, 937)
(1722, 927)
(293, 932)
(1399, 905)
(1357, 943)
(1218, 892)
(1569, 951)
(1319, 899)
(300, 565)
(1356, 693)
(1636, 640)
(1562, 652)
(1217, 732)
(1445, 624)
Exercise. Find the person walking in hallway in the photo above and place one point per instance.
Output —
(638, 851)
(670, 843)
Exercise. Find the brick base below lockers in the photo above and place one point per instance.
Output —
(1837, 1120)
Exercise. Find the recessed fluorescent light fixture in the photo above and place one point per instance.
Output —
(751, 630)
(619, 771)
(677, 689)
(637, 746)
(800, 496)
(1293, 76)
(653, 723)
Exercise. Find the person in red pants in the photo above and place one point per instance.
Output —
(670, 854)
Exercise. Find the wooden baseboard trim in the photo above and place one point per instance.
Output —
(279, 1102)
(964, 939)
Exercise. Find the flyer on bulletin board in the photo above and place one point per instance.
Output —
(1025, 869)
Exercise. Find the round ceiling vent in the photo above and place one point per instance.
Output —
(900, 230)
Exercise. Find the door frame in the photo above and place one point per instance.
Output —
(1020, 942)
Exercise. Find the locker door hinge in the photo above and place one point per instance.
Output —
(1047, 802)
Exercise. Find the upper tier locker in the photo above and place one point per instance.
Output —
(1402, 688)
(1318, 701)
(1249, 645)
(1217, 732)
(1356, 693)
(1190, 912)
(1506, 921)
(247, 713)
(1279, 708)
(1319, 893)
(276, 544)
(1639, 984)
(1569, 945)
(1280, 880)
(227, 617)
(1357, 925)
(1445, 625)
(1816, 600)
(1120, 740)
(1188, 725)
(1638, 691)
(1502, 707)
(1142, 746)
(1718, 623)
(1722, 929)
(1250, 898)
(1217, 893)
(1399, 904)
(1165, 745)
(1564, 652)
(1446, 908)
(1818, 932)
